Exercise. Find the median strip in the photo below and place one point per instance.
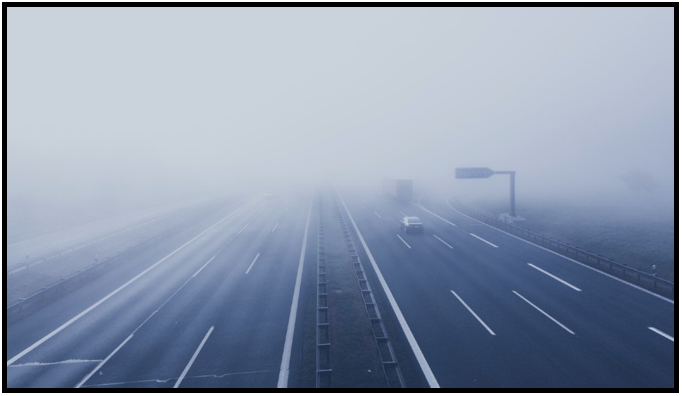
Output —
(421, 359)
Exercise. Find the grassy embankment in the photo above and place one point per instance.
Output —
(636, 240)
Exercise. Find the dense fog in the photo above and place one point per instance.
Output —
(117, 108)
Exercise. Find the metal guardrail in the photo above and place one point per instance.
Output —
(32, 303)
(323, 360)
(28, 305)
(392, 373)
(27, 263)
(648, 281)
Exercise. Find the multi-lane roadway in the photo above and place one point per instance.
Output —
(220, 305)
(209, 308)
(488, 309)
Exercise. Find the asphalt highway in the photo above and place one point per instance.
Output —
(490, 310)
(143, 324)
(216, 306)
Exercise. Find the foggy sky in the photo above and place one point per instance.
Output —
(115, 102)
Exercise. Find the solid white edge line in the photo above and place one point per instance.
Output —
(473, 313)
(426, 369)
(402, 213)
(543, 312)
(273, 228)
(283, 380)
(555, 277)
(196, 353)
(252, 263)
(87, 377)
(423, 208)
(408, 246)
(377, 214)
(478, 237)
(659, 332)
(564, 257)
(446, 244)
(108, 296)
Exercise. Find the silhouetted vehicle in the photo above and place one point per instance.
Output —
(412, 225)
(398, 189)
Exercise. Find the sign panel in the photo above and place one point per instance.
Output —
(473, 173)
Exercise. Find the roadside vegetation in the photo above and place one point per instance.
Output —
(639, 240)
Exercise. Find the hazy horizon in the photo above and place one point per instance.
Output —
(121, 106)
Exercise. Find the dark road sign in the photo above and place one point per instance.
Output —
(473, 173)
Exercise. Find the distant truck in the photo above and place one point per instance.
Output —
(398, 189)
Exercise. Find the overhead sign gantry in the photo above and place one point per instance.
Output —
(484, 173)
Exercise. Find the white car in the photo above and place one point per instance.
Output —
(412, 224)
